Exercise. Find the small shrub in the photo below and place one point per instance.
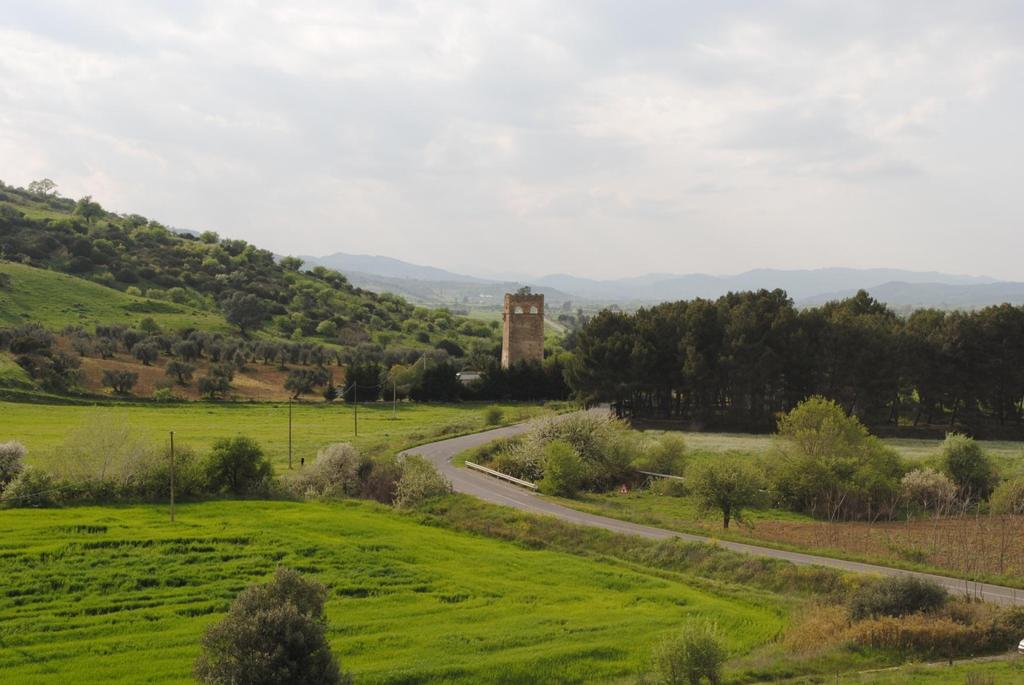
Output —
(896, 596)
(667, 455)
(420, 481)
(692, 657)
(379, 478)
(31, 488)
(563, 470)
(928, 489)
(274, 634)
(237, 465)
(334, 474)
(1007, 499)
(12, 458)
(163, 395)
(493, 416)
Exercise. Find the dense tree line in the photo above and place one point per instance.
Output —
(744, 358)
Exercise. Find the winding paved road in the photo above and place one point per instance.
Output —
(499, 492)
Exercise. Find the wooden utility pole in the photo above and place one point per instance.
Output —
(172, 476)
(355, 413)
(289, 433)
(394, 399)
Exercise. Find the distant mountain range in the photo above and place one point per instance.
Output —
(897, 287)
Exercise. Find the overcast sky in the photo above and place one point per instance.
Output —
(602, 139)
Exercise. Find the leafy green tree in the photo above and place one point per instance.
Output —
(728, 485)
(970, 468)
(274, 634)
(245, 310)
(237, 465)
(291, 263)
(826, 463)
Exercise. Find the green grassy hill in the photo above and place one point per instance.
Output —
(119, 595)
(56, 300)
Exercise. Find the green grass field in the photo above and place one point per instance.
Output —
(1008, 454)
(56, 300)
(1005, 672)
(120, 595)
(43, 428)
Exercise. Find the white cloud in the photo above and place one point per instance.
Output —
(618, 138)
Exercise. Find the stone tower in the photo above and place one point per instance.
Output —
(523, 335)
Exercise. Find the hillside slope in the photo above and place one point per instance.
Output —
(128, 265)
(56, 300)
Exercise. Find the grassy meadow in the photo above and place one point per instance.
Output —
(43, 428)
(120, 595)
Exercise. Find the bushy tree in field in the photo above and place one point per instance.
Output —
(12, 461)
(691, 657)
(121, 382)
(728, 485)
(563, 470)
(420, 481)
(237, 465)
(970, 468)
(274, 634)
(826, 463)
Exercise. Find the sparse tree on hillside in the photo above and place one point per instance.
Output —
(121, 382)
(181, 371)
(43, 186)
(88, 209)
(146, 352)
